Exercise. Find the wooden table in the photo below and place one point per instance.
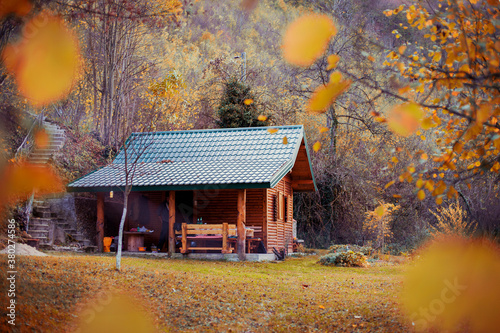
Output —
(135, 240)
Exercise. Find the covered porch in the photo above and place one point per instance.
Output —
(201, 214)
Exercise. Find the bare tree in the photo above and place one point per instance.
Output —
(132, 149)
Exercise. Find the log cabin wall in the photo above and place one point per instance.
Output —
(217, 206)
(280, 228)
(255, 211)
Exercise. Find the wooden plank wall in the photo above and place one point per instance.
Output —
(255, 209)
(221, 206)
(280, 232)
(217, 206)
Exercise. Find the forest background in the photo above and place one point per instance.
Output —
(154, 65)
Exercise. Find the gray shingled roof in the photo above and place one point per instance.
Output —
(232, 158)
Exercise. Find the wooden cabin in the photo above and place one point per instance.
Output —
(240, 176)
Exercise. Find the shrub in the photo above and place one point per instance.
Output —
(344, 259)
(452, 221)
(366, 250)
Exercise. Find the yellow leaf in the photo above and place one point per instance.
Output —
(397, 196)
(307, 38)
(335, 77)
(285, 140)
(317, 146)
(324, 96)
(321, 306)
(394, 159)
(419, 183)
(380, 210)
(427, 123)
(323, 129)
(44, 65)
(332, 61)
(389, 183)
(18, 7)
(404, 119)
(451, 274)
(262, 118)
(402, 49)
(272, 130)
(424, 156)
(439, 200)
(421, 195)
(133, 315)
(248, 101)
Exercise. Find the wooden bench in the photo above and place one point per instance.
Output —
(206, 232)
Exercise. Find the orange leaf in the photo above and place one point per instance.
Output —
(404, 90)
(45, 64)
(404, 119)
(19, 181)
(307, 38)
(285, 140)
(249, 5)
(317, 146)
(262, 118)
(389, 183)
(248, 101)
(41, 139)
(324, 96)
(272, 130)
(323, 129)
(18, 7)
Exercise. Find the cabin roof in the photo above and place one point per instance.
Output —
(200, 159)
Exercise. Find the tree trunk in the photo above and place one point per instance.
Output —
(120, 232)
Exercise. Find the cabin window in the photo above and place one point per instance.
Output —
(286, 208)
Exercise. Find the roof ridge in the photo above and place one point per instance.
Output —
(219, 129)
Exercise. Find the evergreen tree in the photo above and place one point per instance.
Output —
(237, 107)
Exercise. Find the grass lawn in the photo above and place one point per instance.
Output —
(297, 295)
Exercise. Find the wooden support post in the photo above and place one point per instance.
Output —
(240, 223)
(195, 206)
(171, 221)
(100, 221)
(184, 238)
(225, 248)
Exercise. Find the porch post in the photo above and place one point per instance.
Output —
(240, 223)
(100, 221)
(171, 221)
